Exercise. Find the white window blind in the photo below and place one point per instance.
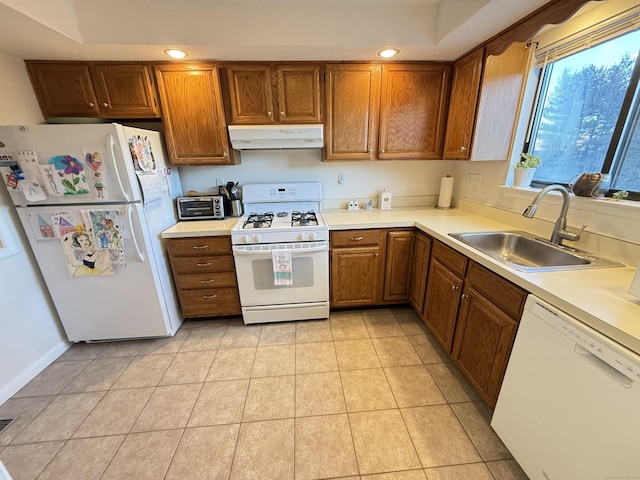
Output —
(550, 49)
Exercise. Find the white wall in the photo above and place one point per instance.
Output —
(30, 334)
(411, 182)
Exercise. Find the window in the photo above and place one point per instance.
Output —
(587, 117)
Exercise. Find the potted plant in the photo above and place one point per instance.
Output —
(525, 169)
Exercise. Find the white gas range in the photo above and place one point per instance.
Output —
(281, 252)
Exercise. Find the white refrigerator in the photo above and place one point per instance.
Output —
(93, 200)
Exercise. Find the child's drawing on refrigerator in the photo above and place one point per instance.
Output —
(83, 258)
(106, 228)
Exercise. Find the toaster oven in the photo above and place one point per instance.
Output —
(207, 207)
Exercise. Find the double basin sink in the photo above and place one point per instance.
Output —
(525, 252)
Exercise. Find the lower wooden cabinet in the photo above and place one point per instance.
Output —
(487, 322)
(471, 311)
(371, 267)
(446, 273)
(356, 267)
(419, 273)
(205, 276)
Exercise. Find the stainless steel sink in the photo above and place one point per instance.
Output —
(525, 252)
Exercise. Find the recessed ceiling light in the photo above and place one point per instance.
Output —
(175, 53)
(388, 53)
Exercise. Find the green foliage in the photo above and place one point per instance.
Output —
(528, 160)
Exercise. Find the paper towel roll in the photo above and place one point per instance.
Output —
(446, 190)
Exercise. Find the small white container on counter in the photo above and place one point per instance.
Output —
(385, 200)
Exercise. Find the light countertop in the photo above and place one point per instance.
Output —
(598, 297)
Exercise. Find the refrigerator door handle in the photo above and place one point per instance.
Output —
(111, 143)
(133, 234)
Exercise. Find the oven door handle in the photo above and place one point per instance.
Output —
(267, 251)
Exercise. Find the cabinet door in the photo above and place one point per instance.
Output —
(418, 284)
(483, 340)
(398, 265)
(465, 90)
(125, 91)
(195, 129)
(352, 97)
(299, 94)
(63, 89)
(251, 94)
(441, 303)
(355, 276)
(412, 111)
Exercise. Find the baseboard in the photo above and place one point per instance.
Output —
(27, 374)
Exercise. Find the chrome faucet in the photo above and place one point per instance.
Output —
(559, 232)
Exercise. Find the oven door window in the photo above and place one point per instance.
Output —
(302, 268)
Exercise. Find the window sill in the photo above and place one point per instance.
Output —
(606, 206)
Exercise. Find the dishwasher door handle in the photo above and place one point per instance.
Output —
(603, 366)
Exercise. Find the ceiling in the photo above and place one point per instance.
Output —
(315, 30)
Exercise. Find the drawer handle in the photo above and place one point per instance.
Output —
(207, 281)
(203, 264)
(356, 239)
(209, 297)
(200, 247)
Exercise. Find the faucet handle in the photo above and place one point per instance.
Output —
(572, 237)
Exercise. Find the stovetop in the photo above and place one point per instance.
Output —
(280, 213)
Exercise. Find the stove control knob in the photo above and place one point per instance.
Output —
(246, 239)
(302, 237)
(257, 238)
(313, 235)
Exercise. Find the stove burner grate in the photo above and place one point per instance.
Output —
(303, 219)
(258, 220)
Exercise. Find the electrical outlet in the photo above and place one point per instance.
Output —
(342, 180)
(220, 182)
(474, 180)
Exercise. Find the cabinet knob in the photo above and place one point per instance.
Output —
(282, 114)
(91, 104)
(269, 113)
(225, 154)
(370, 151)
(454, 288)
(376, 255)
(463, 296)
(382, 151)
(105, 105)
(463, 149)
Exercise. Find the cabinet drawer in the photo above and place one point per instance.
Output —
(206, 280)
(202, 264)
(210, 302)
(454, 261)
(355, 238)
(183, 247)
(501, 292)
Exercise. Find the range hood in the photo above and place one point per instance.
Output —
(274, 137)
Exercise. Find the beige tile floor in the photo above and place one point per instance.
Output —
(365, 395)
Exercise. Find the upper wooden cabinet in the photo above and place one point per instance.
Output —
(483, 110)
(412, 111)
(195, 128)
(104, 90)
(352, 99)
(462, 107)
(268, 94)
(385, 112)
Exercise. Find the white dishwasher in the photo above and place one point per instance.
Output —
(569, 406)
